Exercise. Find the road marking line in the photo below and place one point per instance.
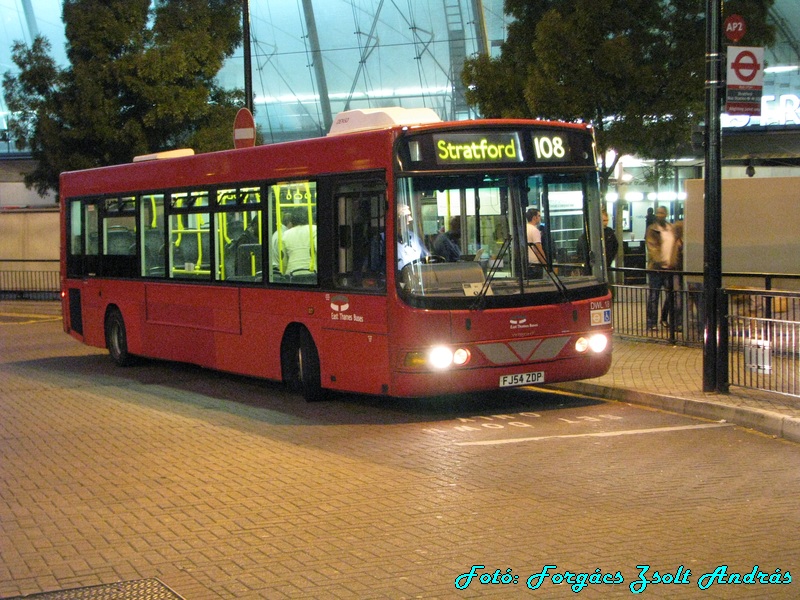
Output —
(30, 318)
(600, 434)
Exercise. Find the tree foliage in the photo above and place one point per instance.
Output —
(140, 80)
(634, 69)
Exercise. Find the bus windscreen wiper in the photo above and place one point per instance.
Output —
(548, 268)
(480, 298)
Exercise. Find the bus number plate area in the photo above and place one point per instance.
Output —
(522, 379)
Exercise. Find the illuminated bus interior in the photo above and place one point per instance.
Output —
(485, 216)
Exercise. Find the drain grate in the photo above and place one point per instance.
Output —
(140, 589)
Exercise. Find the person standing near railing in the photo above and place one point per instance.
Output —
(662, 261)
(673, 307)
(610, 240)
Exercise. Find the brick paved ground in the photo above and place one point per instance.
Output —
(226, 487)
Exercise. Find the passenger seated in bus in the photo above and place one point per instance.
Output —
(247, 237)
(446, 243)
(300, 244)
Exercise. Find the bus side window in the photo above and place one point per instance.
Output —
(292, 231)
(75, 231)
(361, 235)
(153, 236)
(118, 237)
(239, 246)
(190, 236)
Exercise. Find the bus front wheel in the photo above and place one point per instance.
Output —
(117, 338)
(301, 366)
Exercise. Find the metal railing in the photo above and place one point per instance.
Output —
(763, 340)
(760, 326)
(679, 316)
(29, 279)
(763, 325)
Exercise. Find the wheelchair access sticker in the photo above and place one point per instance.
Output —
(601, 317)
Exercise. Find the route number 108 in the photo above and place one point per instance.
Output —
(549, 147)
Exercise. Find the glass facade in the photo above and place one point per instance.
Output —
(312, 59)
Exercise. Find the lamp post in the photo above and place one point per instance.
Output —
(712, 240)
(248, 71)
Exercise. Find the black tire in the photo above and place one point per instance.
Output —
(301, 365)
(117, 339)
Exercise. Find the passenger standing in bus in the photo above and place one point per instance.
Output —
(536, 257)
(300, 244)
(446, 243)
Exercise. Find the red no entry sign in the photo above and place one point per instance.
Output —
(244, 129)
(734, 28)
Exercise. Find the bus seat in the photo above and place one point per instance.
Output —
(244, 259)
(303, 277)
(120, 241)
(154, 247)
(188, 249)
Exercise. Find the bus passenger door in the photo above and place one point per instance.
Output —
(356, 327)
(82, 258)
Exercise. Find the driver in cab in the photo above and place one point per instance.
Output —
(409, 246)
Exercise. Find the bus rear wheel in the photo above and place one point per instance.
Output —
(117, 338)
(301, 366)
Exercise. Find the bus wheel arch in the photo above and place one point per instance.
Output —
(300, 366)
(117, 337)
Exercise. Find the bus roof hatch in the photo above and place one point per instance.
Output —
(350, 121)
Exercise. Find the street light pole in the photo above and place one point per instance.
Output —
(712, 241)
(248, 71)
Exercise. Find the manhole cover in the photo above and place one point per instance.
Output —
(140, 589)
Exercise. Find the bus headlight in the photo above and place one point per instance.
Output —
(440, 357)
(461, 357)
(596, 342)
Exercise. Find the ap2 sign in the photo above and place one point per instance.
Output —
(734, 28)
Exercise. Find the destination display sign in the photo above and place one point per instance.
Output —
(472, 148)
(511, 148)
